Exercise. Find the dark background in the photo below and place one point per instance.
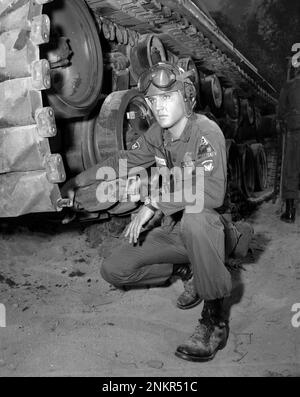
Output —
(263, 30)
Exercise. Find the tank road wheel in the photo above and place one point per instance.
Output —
(116, 126)
(75, 57)
(234, 166)
(232, 105)
(248, 111)
(78, 138)
(261, 167)
(231, 118)
(123, 117)
(248, 169)
(230, 127)
(269, 127)
(148, 52)
(258, 122)
(213, 93)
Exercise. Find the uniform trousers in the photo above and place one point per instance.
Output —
(197, 239)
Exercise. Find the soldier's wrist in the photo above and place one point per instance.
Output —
(151, 207)
(150, 204)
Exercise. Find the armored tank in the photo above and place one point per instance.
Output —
(68, 97)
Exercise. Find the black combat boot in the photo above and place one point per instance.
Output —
(210, 335)
(189, 298)
(290, 212)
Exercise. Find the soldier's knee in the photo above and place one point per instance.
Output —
(111, 273)
(105, 271)
(117, 272)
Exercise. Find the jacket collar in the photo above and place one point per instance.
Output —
(184, 137)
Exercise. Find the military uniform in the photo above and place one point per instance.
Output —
(195, 238)
(289, 112)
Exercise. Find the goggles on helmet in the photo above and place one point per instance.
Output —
(162, 76)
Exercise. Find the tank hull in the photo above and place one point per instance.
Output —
(57, 78)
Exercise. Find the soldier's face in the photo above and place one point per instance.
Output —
(168, 108)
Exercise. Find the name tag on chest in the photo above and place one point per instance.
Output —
(160, 161)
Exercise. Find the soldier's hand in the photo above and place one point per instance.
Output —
(134, 229)
(68, 189)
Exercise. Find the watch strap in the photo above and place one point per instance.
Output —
(151, 207)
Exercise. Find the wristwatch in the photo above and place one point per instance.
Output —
(148, 204)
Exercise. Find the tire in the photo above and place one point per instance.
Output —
(231, 103)
(258, 122)
(248, 111)
(212, 90)
(76, 88)
(233, 166)
(261, 167)
(78, 138)
(109, 133)
(248, 170)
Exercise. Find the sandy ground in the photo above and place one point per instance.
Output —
(64, 320)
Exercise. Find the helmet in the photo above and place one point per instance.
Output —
(165, 77)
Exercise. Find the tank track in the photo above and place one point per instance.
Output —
(29, 172)
(31, 164)
(185, 30)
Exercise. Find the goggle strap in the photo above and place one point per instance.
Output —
(185, 75)
(180, 78)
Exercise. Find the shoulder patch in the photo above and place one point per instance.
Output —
(136, 146)
(205, 149)
(203, 141)
(160, 162)
(208, 165)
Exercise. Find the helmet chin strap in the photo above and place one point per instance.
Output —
(183, 76)
(188, 105)
(189, 95)
(187, 110)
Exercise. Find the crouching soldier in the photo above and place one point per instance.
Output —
(191, 237)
